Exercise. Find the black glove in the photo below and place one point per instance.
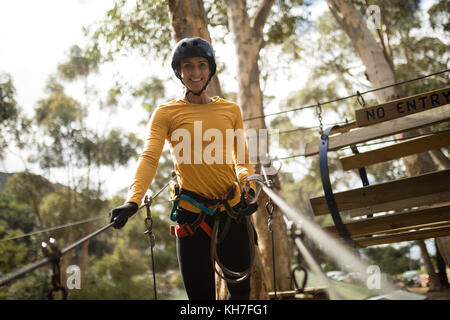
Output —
(121, 214)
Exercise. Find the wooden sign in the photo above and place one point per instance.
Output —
(402, 107)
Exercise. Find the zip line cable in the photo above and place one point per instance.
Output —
(67, 225)
(371, 144)
(348, 97)
(14, 275)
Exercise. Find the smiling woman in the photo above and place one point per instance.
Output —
(194, 73)
(212, 195)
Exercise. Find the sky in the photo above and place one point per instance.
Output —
(35, 36)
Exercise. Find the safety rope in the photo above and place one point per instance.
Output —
(53, 255)
(270, 209)
(370, 144)
(63, 226)
(151, 237)
(358, 95)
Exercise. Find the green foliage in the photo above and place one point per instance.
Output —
(116, 276)
(13, 125)
(8, 104)
(440, 15)
(287, 22)
(28, 188)
(33, 286)
(11, 254)
(79, 65)
(150, 91)
(134, 26)
(383, 256)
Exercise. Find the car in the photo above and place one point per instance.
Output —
(337, 275)
(355, 276)
(410, 278)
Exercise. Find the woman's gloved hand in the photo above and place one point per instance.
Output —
(121, 214)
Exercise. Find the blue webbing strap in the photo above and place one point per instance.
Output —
(328, 190)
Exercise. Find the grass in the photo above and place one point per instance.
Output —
(346, 290)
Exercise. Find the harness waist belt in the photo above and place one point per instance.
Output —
(185, 230)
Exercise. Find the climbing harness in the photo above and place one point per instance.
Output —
(52, 252)
(219, 205)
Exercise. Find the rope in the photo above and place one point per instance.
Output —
(369, 144)
(14, 275)
(67, 225)
(358, 95)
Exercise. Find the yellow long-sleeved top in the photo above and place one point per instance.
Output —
(202, 149)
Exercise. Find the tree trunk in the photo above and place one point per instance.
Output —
(379, 73)
(248, 39)
(441, 264)
(189, 20)
(435, 284)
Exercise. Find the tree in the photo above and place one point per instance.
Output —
(14, 125)
(189, 20)
(30, 189)
(383, 257)
(80, 151)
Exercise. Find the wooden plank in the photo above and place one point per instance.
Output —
(400, 220)
(345, 128)
(381, 130)
(425, 200)
(405, 236)
(402, 107)
(418, 227)
(429, 183)
(397, 150)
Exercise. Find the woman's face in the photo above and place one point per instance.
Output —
(194, 72)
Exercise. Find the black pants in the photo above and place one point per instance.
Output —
(194, 258)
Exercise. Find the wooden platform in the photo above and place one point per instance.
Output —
(312, 293)
(408, 208)
(383, 129)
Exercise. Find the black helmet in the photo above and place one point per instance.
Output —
(193, 47)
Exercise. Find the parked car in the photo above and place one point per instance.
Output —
(355, 276)
(337, 275)
(410, 278)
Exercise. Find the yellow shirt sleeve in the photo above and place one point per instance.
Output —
(149, 159)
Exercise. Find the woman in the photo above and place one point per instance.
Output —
(213, 192)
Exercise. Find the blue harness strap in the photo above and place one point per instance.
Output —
(191, 201)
